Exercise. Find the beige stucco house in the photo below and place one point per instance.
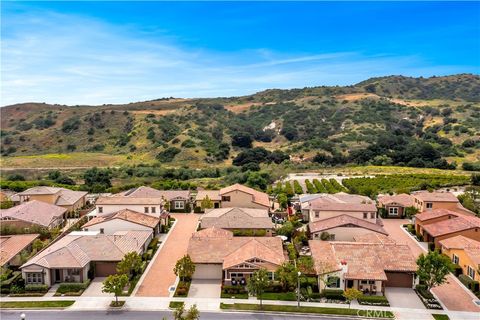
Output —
(123, 220)
(11, 247)
(65, 198)
(426, 201)
(33, 213)
(237, 219)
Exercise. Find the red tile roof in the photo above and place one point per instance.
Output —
(35, 212)
(237, 218)
(435, 196)
(402, 199)
(469, 246)
(458, 224)
(12, 245)
(127, 215)
(344, 220)
(436, 213)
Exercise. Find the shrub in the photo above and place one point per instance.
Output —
(72, 287)
(234, 289)
(423, 291)
(374, 300)
(333, 294)
(466, 280)
(457, 270)
(153, 244)
(36, 288)
(431, 246)
(475, 286)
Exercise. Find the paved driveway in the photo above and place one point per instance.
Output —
(205, 289)
(453, 296)
(160, 276)
(95, 289)
(403, 298)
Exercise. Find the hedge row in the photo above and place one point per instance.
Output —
(72, 286)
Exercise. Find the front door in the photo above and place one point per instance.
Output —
(57, 275)
(349, 283)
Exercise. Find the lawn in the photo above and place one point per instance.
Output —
(440, 317)
(36, 304)
(283, 296)
(175, 304)
(234, 295)
(316, 310)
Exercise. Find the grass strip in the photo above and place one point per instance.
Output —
(440, 317)
(35, 304)
(175, 304)
(316, 310)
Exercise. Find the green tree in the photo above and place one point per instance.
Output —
(97, 180)
(433, 268)
(310, 187)
(352, 294)
(305, 265)
(257, 283)
(287, 274)
(131, 264)
(206, 203)
(288, 189)
(184, 268)
(286, 230)
(192, 313)
(115, 284)
(297, 187)
(282, 200)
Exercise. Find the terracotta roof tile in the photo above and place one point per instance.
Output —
(214, 195)
(35, 212)
(128, 200)
(65, 196)
(469, 246)
(403, 199)
(435, 196)
(12, 245)
(127, 215)
(258, 197)
(374, 237)
(343, 202)
(237, 218)
(344, 220)
(436, 213)
(458, 224)
(148, 192)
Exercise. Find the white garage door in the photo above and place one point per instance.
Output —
(208, 271)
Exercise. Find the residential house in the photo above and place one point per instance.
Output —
(108, 205)
(425, 201)
(236, 195)
(342, 228)
(11, 247)
(332, 205)
(440, 224)
(123, 220)
(396, 205)
(368, 267)
(213, 195)
(464, 252)
(173, 200)
(237, 219)
(65, 198)
(81, 255)
(33, 214)
(217, 254)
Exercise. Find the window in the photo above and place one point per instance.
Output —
(429, 205)
(73, 272)
(179, 205)
(393, 211)
(100, 209)
(102, 230)
(372, 215)
(365, 215)
(145, 209)
(153, 209)
(317, 214)
(270, 276)
(35, 277)
(471, 272)
(333, 282)
(226, 198)
(455, 259)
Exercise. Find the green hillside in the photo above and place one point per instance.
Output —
(419, 122)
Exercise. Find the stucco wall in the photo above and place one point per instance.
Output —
(463, 262)
(110, 208)
(241, 199)
(330, 214)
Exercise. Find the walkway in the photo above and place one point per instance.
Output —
(451, 294)
(160, 276)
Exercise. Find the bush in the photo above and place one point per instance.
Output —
(274, 287)
(475, 286)
(153, 244)
(374, 300)
(148, 254)
(423, 291)
(431, 246)
(333, 294)
(466, 280)
(36, 288)
(72, 287)
(234, 290)
(457, 270)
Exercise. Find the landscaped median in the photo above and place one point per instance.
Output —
(301, 309)
(35, 304)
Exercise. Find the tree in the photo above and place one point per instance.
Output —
(352, 294)
(257, 283)
(97, 180)
(206, 203)
(287, 274)
(192, 313)
(433, 268)
(305, 265)
(130, 264)
(476, 179)
(286, 230)
(282, 200)
(184, 268)
(288, 189)
(242, 140)
(115, 284)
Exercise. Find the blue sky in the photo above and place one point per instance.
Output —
(117, 52)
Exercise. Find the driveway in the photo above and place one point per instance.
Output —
(95, 289)
(452, 294)
(403, 298)
(205, 289)
(160, 276)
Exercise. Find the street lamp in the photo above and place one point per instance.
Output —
(298, 289)
(22, 316)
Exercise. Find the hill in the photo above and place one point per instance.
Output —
(420, 122)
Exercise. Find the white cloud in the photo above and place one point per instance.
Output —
(69, 59)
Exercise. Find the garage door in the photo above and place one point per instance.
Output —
(208, 271)
(399, 279)
(104, 269)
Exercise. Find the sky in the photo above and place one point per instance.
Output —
(119, 52)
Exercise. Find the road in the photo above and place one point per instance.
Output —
(150, 315)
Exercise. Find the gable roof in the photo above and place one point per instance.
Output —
(237, 218)
(343, 202)
(127, 215)
(435, 213)
(373, 237)
(65, 196)
(148, 192)
(213, 195)
(344, 220)
(35, 212)
(220, 247)
(76, 250)
(365, 261)
(458, 224)
(113, 200)
(403, 199)
(12, 245)
(258, 197)
(435, 196)
(469, 246)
